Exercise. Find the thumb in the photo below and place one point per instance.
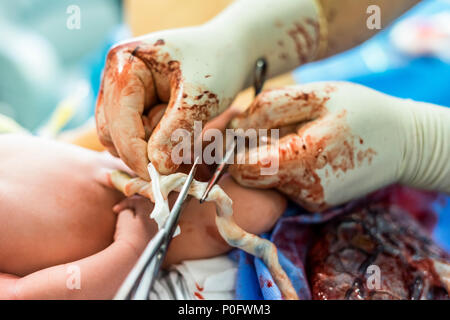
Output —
(221, 121)
(132, 228)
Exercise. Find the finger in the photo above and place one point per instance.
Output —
(280, 107)
(125, 215)
(125, 221)
(221, 121)
(128, 203)
(124, 204)
(182, 112)
(305, 164)
(292, 158)
(130, 219)
(248, 169)
(162, 81)
(130, 90)
(136, 230)
(152, 119)
(294, 172)
(139, 204)
(102, 126)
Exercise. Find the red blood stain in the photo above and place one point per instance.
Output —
(264, 282)
(151, 59)
(417, 203)
(304, 42)
(198, 295)
(198, 287)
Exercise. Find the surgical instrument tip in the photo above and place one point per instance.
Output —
(260, 72)
(219, 170)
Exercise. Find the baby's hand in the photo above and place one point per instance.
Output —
(134, 227)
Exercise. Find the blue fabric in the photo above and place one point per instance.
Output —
(247, 285)
(422, 79)
(254, 281)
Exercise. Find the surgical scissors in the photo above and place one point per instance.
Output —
(140, 280)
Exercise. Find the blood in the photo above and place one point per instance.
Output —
(265, 282)
(284, 56)
(376, 234)
(198, 287)
(304, 50)
(198, 295)
(418, 203)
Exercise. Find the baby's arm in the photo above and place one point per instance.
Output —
(7, 283)
(96, 277)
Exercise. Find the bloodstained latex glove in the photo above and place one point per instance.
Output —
(158, 84)
(339, 141)
(166, 80)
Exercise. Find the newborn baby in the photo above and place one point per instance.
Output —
(56, 213)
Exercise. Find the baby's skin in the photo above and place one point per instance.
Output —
(60, 213)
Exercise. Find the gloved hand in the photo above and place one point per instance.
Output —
(339, 141)
(196, 72)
